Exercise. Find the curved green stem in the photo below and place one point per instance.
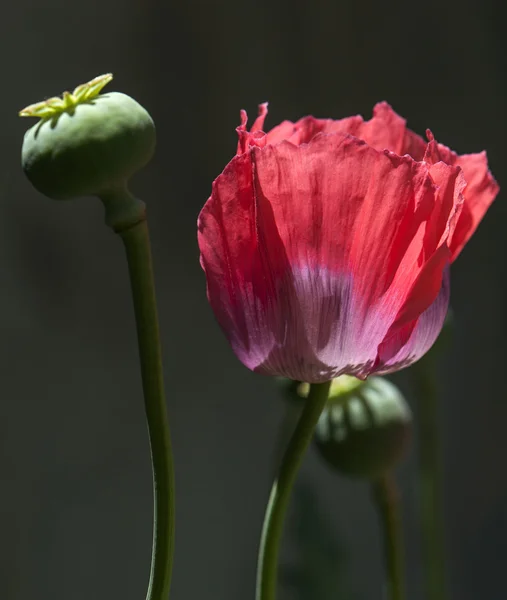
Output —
(127, 217)
(385, 493)
(267, 567)
(430, 478)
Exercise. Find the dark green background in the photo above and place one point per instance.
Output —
(75, 487)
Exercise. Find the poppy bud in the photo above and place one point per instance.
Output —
(86, 143)
(365, 428)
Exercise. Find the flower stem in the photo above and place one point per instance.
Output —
(386, 495)
(267, 567)
(126, 215)
(429, 479)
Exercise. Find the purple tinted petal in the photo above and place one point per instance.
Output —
(423, 336)
(312, 331)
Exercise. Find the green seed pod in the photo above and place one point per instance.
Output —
(365, 428)
(86, 143)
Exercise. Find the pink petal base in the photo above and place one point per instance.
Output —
(315, 330)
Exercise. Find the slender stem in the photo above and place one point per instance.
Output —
(267, 568)
(429, 479)
(137, 246)
(126, 215)
(385, 493)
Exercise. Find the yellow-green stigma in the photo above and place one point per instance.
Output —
(85, 92)
(339, 386)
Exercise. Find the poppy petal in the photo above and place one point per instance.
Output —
(309, 267)
(325, 242)
(386, 130)
(411, 342)
(481, 189)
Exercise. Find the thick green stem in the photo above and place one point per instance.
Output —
(386, 496)
(267, 568)
(126, 215)
(429, 479)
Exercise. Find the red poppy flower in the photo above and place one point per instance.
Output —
(326, 244)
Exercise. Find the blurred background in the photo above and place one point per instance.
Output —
(75, 481)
